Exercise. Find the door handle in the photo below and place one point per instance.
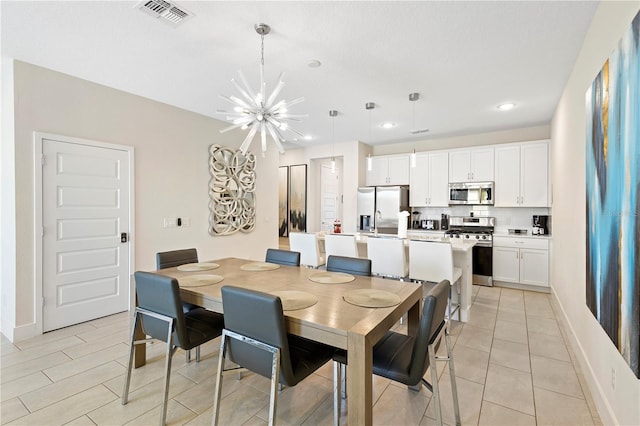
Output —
(123, 237)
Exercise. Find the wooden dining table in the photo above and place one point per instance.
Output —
(331, 320)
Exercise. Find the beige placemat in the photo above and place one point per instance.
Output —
(292, 300)
(331, 277)
(371, 298)
(195, 267)
(259, 266)
(199, 280)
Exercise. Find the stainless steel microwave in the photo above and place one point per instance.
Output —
(472, 193)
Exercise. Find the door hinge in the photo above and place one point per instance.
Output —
(42, 232)
(42, 302)
(43, 160)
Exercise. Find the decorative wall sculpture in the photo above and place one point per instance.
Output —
(298, 198)
(232, 205)
(613, 196)
(283, 201)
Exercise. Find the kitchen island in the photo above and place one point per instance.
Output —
(462, 258)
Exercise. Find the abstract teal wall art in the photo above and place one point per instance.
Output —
(612, 196)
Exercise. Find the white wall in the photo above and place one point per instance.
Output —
(171, 170)
(7, 202)
(594, 349)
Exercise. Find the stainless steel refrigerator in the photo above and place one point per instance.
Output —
(378, 208)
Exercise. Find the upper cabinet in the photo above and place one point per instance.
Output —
(389, 170)
(429, 180)
(471, 165)
(522, 175)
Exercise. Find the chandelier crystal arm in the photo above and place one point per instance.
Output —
(263, 136)
(247, 141)
(275, 135)
(243, 92)
(296, 132)
(252, 94)
(235, 126)
(239, 103)
(293, 117)
(276, 91)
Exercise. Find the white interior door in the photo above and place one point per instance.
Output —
(85, 211)
(329, 197)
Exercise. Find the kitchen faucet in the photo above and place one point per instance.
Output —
(377, 216)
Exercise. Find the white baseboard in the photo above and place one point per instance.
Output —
(606, 413)
(24, 332)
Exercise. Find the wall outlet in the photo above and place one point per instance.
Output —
(613, 378)
(186, 222)
(169, 222)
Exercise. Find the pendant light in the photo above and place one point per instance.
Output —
(413, 97)
(257, 113)
(369, 106)
(333, 114)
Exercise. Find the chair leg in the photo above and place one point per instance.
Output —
(275, 380)
(197, 353)
(434, 384)
(218, 390)
(452, 375)
(188, 355)
(127, 380)
(167, 374)
(337, 390)
(344, 380)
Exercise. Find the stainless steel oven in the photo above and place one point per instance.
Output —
(479, 229)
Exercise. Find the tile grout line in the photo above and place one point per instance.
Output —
(533, 388)
(486, 374)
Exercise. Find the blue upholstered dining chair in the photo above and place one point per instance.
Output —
(283, 257)
(405, 359)
(255, 338)
(159, 313)
(171, 259)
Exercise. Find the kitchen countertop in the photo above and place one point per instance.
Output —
(463, 246)
(506, 234)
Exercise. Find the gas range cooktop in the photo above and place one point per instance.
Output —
(472, 228)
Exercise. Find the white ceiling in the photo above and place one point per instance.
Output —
(464, 58)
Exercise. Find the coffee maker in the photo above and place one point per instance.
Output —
(541, 225)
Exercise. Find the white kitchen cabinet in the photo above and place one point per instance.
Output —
(471, 165)
(389, 170)
(522, 175)
(429, 183)
(521, 260)
(506, 264)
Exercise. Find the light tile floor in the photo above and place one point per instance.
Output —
(513, 367)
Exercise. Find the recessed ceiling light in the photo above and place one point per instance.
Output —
(506, 106)
(308, 137)
(388, 125)
(314, 63)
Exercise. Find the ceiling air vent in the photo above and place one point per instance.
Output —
(169, 13)
(418, 131)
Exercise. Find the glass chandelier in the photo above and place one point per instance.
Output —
(255, 112)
